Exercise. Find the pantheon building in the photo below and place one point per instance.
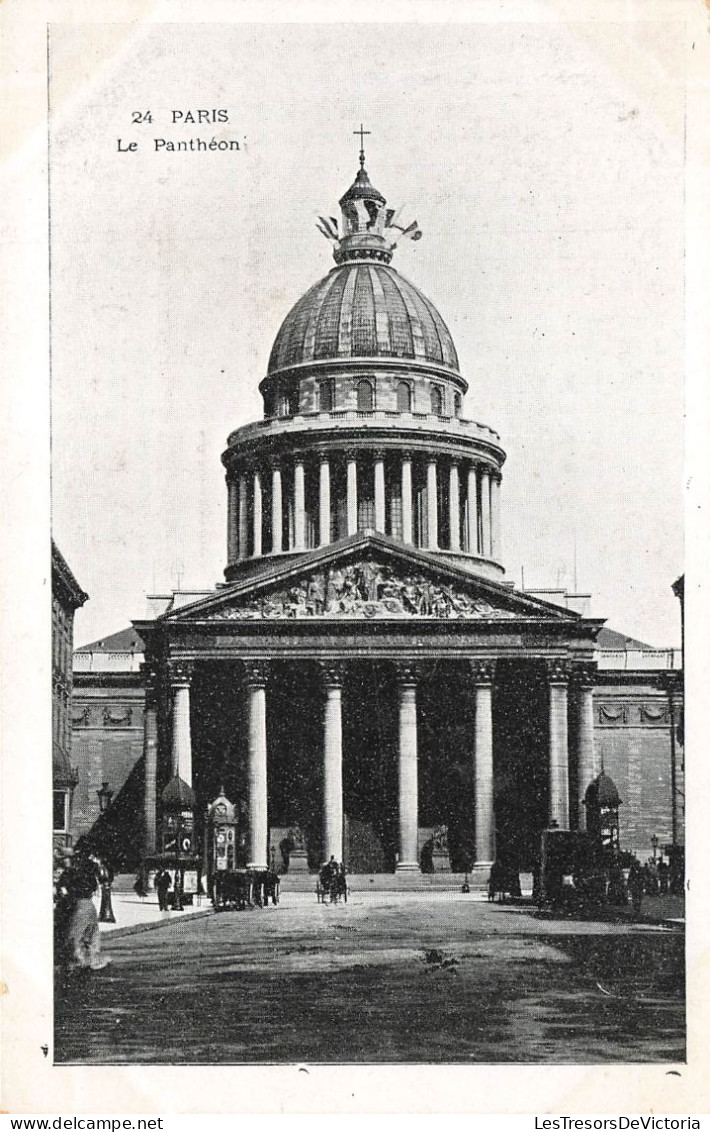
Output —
(365, 680)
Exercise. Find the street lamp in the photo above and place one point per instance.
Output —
(654, 845)
(104, 795)
(106, 915)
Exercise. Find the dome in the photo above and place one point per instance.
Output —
(177, 795)
(363, 310)
(602, 792)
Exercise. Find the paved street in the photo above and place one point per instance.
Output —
(410, 977)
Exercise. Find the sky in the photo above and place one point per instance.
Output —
(544, 164)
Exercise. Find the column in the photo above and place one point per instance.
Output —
(486, 512)
(482, 672)
(472, 498)
(351, 493)
(332, 762)
(454, 507)
(277, 522)
(180, 672)
(584, 736)
(232, 520)
(432, 506)
(243, 517)
(407, 525)
(380, 492)
(495, 518)
(299, 495)
(150, 759)
(408, 861)
(557, 675)
(324, 508)
(257, 514)
(257, 781)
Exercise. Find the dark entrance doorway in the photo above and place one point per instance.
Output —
(520, 758)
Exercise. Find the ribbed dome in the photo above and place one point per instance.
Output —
(363, 310)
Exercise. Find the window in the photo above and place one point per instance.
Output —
(457, 404)
(59, 807)
(365, 397)
(437, 400)
(284, 407)
(293, 402)
(325, 397)
(404, 397)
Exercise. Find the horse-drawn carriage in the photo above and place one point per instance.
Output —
(332, 884)
(237, 889)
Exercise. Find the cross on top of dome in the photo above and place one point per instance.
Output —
(362, 133)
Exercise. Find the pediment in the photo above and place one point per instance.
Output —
(372, 578)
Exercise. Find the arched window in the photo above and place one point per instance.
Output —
(404, 397)
(293, 401)
(325, 397)
(365, 396)
(437, 400)
(457, 404)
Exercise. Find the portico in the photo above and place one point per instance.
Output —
(368, 629)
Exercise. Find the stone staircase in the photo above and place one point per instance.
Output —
(392, 882)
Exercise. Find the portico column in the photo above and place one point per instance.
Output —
(150, 759)
(180, 672)
(495, 518)
(483, 671)
(243, 517)
(557, 675)
(299, 496)
(380, 492)
(454, 507)
(472, 495)
(586, 759)
(486, 512)
(232, 520)
(408, 860)
(324, 511)
(351, 494)
(432, 506)
(257, 780)
(257, 514)
(407, 535)
(332, 762)
(276, 511)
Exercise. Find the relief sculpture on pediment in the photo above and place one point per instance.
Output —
(366, 589)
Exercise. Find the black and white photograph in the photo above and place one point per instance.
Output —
(367, 381)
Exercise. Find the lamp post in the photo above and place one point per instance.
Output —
(106, 915)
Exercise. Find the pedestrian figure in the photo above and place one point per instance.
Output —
(663, 876)
(637, 885)
(77, 886)
(161, 884)
(104, 874)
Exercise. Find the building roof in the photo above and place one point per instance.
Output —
(610, 639)
(64, 585)
(126, 640)
(363, 310)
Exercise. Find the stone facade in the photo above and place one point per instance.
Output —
(67, 597)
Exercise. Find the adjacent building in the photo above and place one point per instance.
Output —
(67, 597)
